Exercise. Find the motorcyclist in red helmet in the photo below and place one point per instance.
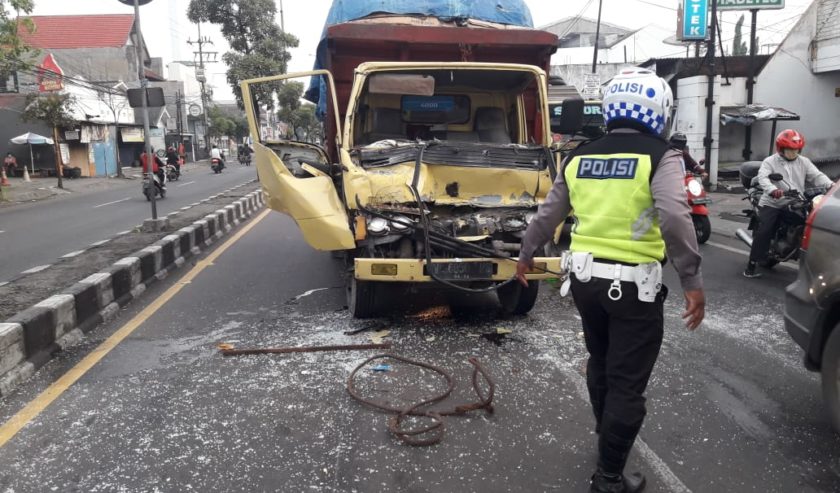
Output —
(798, 171)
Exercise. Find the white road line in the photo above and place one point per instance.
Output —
(746, 253)
(123, 233)
(73, 254)
(36, 269)
(3, 283)
(111, 203)
(185, 207)
(185, 184)
(1, 231)
(100, 243)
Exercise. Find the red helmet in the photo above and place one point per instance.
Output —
(789, 139)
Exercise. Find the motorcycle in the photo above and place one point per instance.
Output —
(160, 189)
(217, 165)
(698, 201)
(786, 239)
(245, 159)
(172, 173)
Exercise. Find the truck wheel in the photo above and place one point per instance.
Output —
(831, 377)
(361, 297)
(703, 228)
(516, 299)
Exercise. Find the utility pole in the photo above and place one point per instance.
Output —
(282, 26)
(597, 35)
(144, 83)
(178, 119)
(710, 99)
(750, 85)
(201, 77)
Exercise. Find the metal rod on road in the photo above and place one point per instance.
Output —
(306, 349)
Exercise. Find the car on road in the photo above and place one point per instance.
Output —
(812, 302)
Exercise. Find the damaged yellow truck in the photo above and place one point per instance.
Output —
(432, 165)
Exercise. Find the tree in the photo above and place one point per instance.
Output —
(220, 125)
(294, 113)
(13, 50)
(56, 111)
(258, 46)
(739, 47)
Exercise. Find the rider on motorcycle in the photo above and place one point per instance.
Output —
(157, 167)
(797, 171)
(679, 142)
(173, 159)
(216, 153)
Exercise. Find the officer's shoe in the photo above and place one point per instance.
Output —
(750, 271)
(604, 482)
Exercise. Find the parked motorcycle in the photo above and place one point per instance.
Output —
(159, 189)
(217, 165)
(172, 173)
(786, 239)
(698, 200)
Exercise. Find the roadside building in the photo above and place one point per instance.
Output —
(95, 60)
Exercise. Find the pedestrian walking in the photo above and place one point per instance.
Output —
(626, 191)
(10, 163)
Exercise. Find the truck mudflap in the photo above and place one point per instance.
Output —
(451, 269)
(312, 202)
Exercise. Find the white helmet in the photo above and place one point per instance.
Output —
(640, 96)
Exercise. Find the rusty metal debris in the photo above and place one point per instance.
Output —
(228, 350)
(433, 433)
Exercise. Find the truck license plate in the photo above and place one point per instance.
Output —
(462, 271)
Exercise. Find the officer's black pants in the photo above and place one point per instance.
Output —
(768, 219)
(623, 339)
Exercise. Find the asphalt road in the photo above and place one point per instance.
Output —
(38, 234)
(730, 406)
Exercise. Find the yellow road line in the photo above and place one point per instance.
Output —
(37, 405)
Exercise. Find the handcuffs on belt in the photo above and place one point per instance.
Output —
(647, 277)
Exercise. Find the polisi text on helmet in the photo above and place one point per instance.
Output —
(627, 87)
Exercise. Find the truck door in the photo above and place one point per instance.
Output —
(296, 176)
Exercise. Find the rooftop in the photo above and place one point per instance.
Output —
(79, 31)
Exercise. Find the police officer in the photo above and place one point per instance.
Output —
(626, 191)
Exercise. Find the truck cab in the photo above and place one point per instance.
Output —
(431, 176)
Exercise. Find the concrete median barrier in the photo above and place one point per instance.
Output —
(30, 338)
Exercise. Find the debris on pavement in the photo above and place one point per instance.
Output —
(229, 350)
(382, 367)
(379, 335)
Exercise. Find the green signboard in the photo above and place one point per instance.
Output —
(750, 4)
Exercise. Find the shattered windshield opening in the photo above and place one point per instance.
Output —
(455, 154)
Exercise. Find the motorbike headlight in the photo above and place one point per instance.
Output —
(695, 188)
(816, 200)
(400, 224)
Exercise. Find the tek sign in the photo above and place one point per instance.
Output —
(750, 4)
(694, 19)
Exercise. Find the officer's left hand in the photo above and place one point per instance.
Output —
(695, 308)
(522, 267)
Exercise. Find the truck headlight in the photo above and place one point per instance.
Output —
(377, 226)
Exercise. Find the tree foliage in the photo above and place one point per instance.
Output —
(739, 46)
(13, 50)
(258, 47)
(224, 123)
(296, 115)
(55, 110)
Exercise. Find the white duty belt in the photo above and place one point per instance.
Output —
(647, 277)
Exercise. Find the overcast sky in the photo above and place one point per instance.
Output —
(167, 34)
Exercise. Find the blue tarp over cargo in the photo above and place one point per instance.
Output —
(513, 12)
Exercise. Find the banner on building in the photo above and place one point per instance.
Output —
(750, 4)
(50, 75)
(132, 134)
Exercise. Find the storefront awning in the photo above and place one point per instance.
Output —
(747, 114)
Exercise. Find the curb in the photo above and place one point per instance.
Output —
(31, 338)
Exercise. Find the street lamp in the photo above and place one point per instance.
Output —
(143, 85)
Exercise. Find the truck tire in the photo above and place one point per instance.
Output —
(830, 374)
(361, 297)
(517, 299)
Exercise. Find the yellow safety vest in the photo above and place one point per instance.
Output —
(615, 218)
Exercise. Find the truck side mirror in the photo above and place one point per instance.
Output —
(567, 117)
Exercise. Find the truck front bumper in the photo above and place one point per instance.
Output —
(414, 270)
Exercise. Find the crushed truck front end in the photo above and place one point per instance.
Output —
(441, 166)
